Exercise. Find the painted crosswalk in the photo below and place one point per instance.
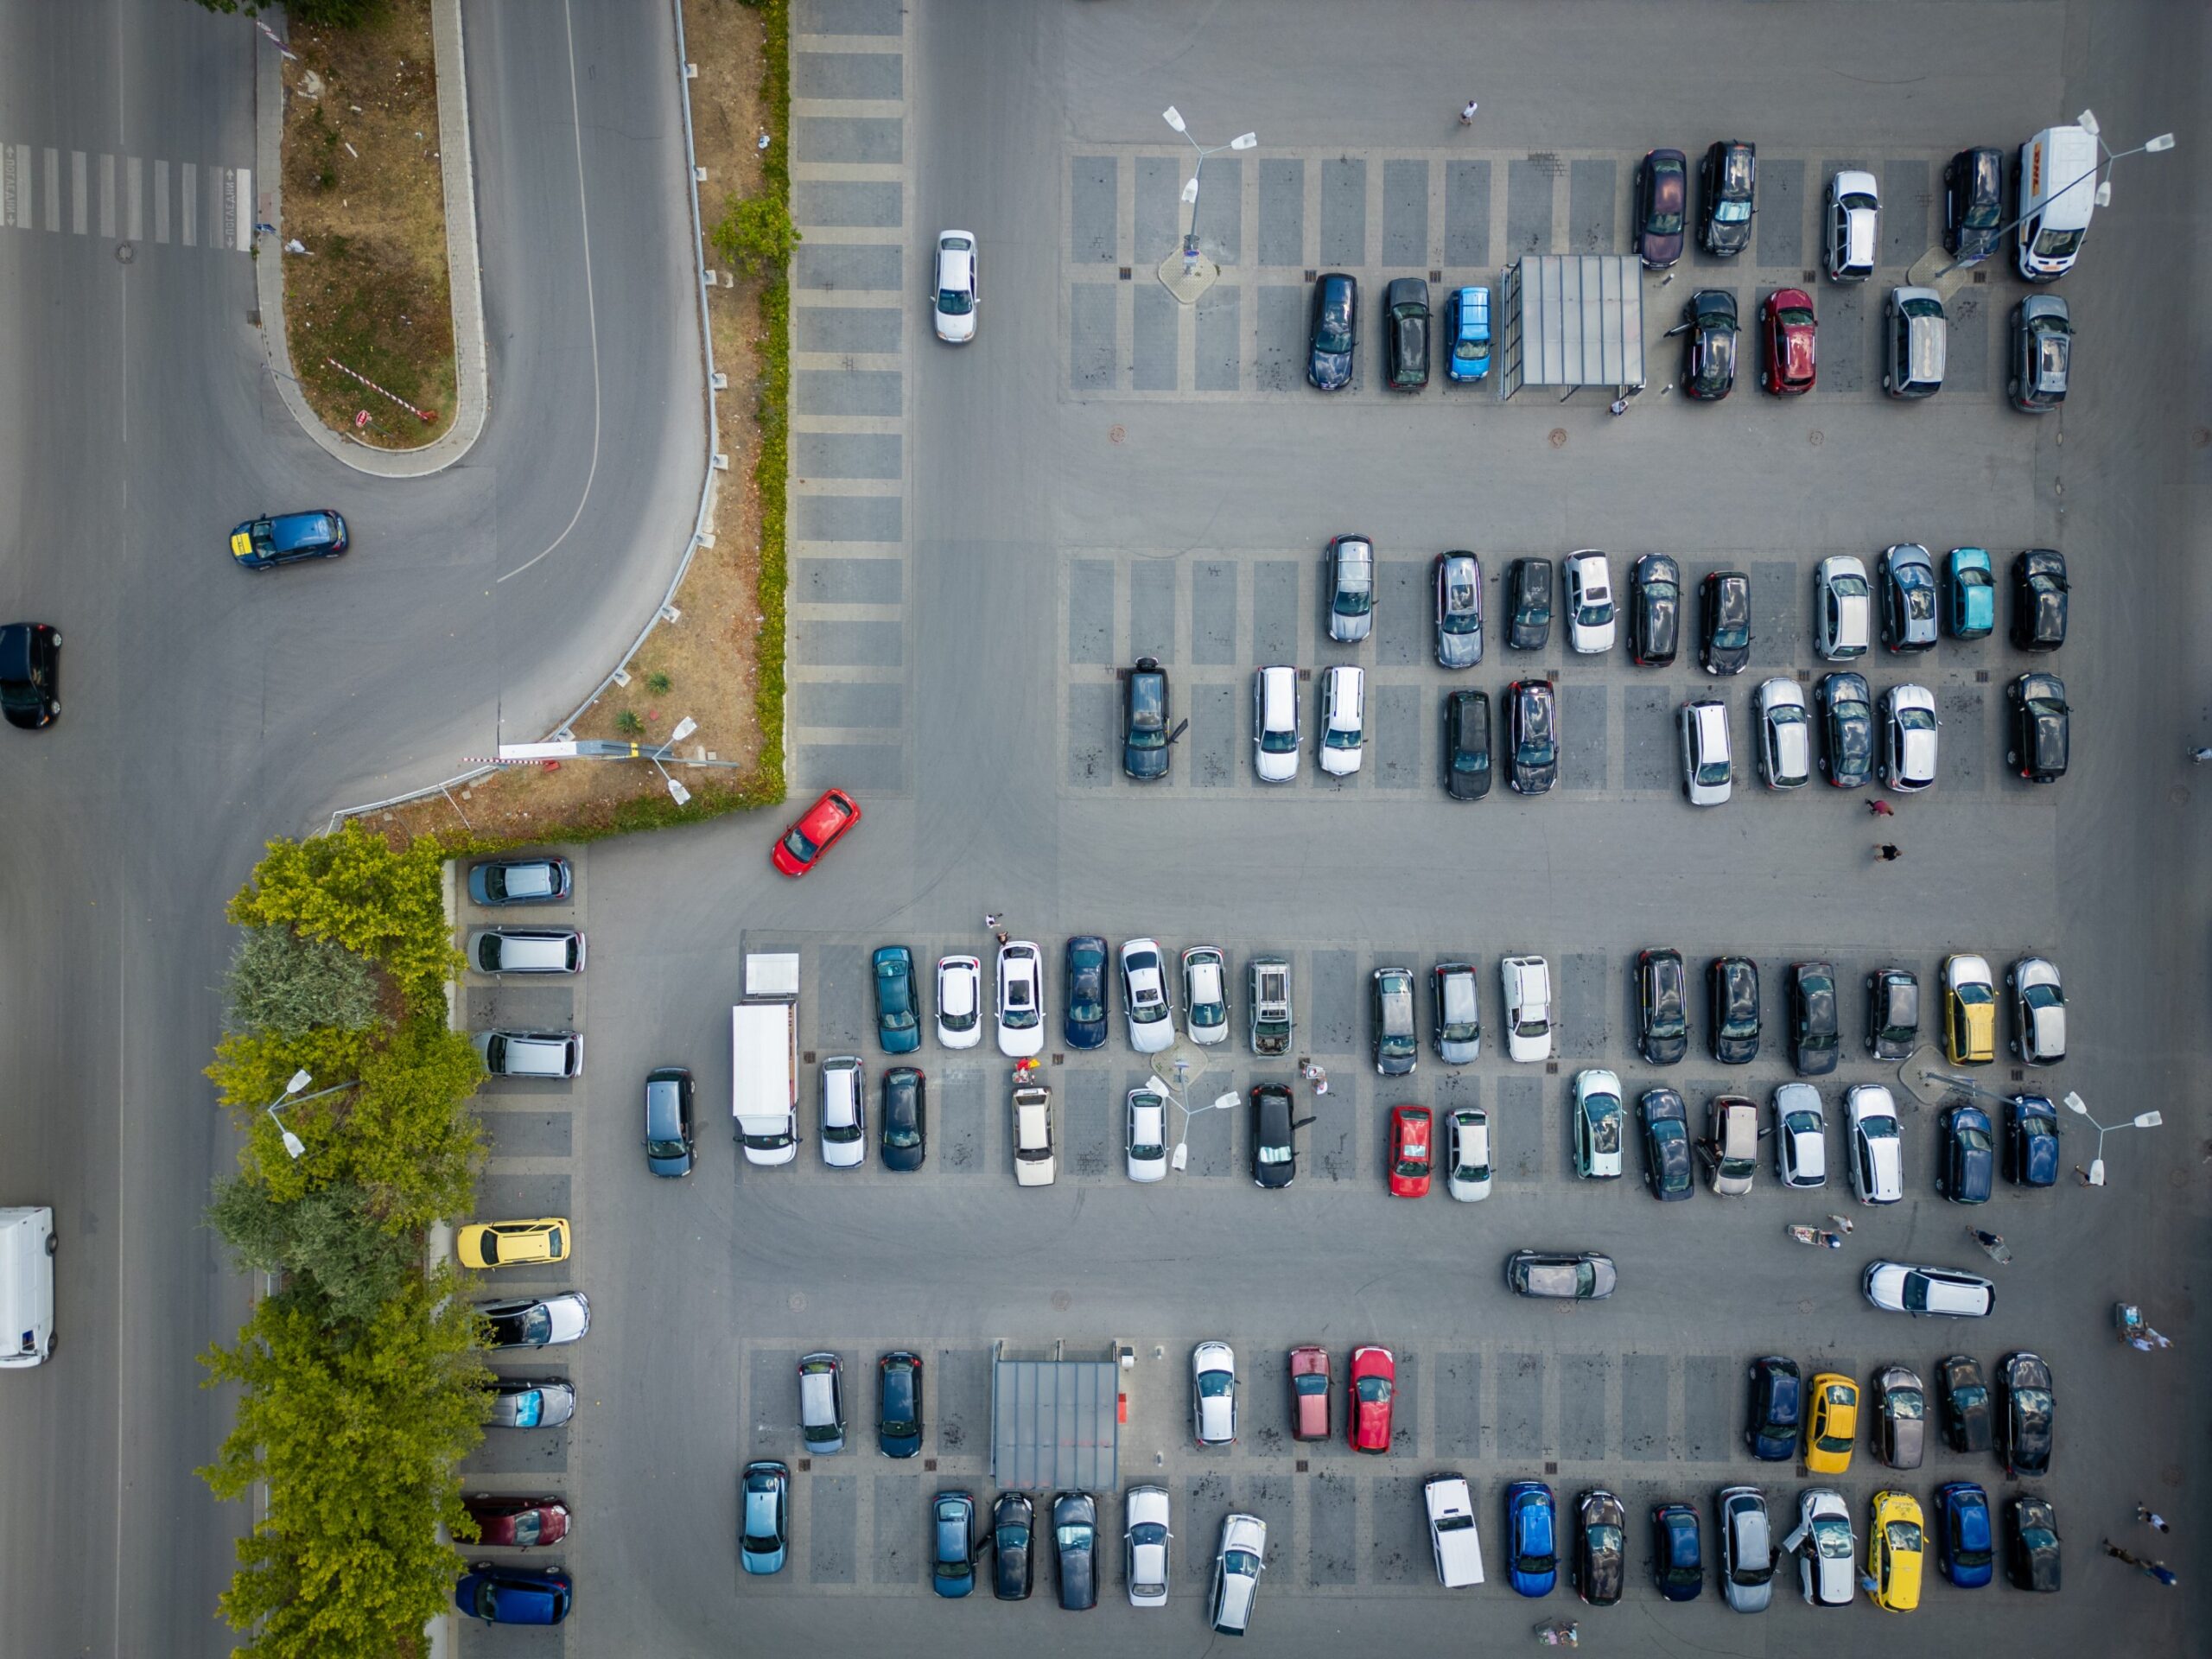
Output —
(131, 199)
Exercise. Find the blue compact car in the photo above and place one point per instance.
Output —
(952, 1566)
(1965, 1540)
(1973, 607)
(1469, 359)
(897, 1024)
(509, 1595)
(764, 1523)
(1532, 1536)
(287, 537)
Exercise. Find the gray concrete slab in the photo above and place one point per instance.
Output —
(1219, 351)
(1091, 612)
(1152, 608)
(1160, 214)
(1221, 211)
(875, 75)
(1528, 209)
(850, 138)
(847, 391)
(1344, 213)
(871, 204)
(849, 582)
(1911, 212)
(846, 328)
(1094, 327)
(1280, 363)
(845, 455)
(833, 1524)
(1978, 330)
(1466, 214)
(1153, 365)
(852, 766)
(1215, 741)
(529, 1134)
(1595, 195)
(1213, 613)
(1093, 213)
(849, 17)
(1283, 212)
(825, 643)
(1398, 750)
(1788, 218)
(845, 517)
(1405, 214)
(1582, 740)
(848, 703)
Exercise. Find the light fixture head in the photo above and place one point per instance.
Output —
(294, 1145)
(300, 1080)
(2088, 122)
(2073, 1102)
(1191, 190)
(2164, 141)
(1244, 141)
(678, 793)
(1173, 117)
(2104, 194)
(2148, 1119)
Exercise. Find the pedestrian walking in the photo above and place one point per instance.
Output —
(1618, 406)
(2152, 1516)
(1001, 936)
(1992, 1243)
(2201, 755)
(1888, 852)
(990, 919)
(1467, 115)
(1833, 1241)
(1843, 1222)
(2084, 1174)
(1881, 809)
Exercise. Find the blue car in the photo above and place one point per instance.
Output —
(1972, 612)
(1469, 359)
(764, 1517)
(897, 1025)
(1086, 998)
(287, 537)
(513, 1595)
(1968, 1169)
(1532, 1535)
(1965, 1543)
(2032, 1140)
(1677, 1554)
(953, 1548)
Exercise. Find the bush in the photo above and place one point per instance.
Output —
(628, 724)
(342, 13)
(757, 235)
(284, 986)
(332, 1248)
(356, 890)
(657, 683)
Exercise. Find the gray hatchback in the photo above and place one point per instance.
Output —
(2043, 350)
(1351, 589)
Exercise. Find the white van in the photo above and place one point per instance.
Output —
(26, 1286)
(2056, 184)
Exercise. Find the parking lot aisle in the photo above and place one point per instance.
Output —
(852, 195)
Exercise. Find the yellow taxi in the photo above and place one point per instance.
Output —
(1894, 1547)
(511, 1243)
(1832, 1426)
(1969, 1010)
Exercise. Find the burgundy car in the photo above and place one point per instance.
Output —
(1786, 319)
(517, 1522)
(1309, 1394)
(1663, 192)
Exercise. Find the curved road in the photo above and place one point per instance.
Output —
(207, 710)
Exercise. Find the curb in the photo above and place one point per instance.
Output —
(464, 264)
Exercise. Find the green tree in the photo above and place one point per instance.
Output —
(353, 888)
(357, 1435)
(326, 1240)
(757, 234)
(343, 14)
(286, 986)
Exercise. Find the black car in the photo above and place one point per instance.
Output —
(1709, 348)
(1677, 1551)
(1534, 736)
(1668, 1169)
(1466, 745)
(1013, 1547)
(1275, 1147)
(2032, 1140)
(906, 1117)
(1724, 622)
(1847, 723)
(1075, 1543)
(1892, 1013)
(1662, 1007)
(30, 674)
(1962, 1394)
(1529, 604)
(1407, 346)
(899, 1404)
(1974, 203)
(2023, 1425)
(1086, 983)
(1336, 328)
(2039, 599)
(1727, 180)
(1968, 1172)
(1600, 1547)
(2031, 1551)
(1777, 1405)
(1663, 190)
(2042, 727)
(1654, 611)
(1813, 1026)
(1145, 736)
(1732, 992)
(668, 1120)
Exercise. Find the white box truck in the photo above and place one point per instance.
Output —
(26, 1286)
(2057, 193)
(1451, 1533)
(763, 1060)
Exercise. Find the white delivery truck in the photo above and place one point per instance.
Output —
(2057, 193)
(26, 1286)
(1451, 1533)
(763, 1060)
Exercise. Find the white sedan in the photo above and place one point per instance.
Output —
(1591, 615)
(2038, 1011)
(1144, 997)
(1908, 737)
(1148, 1136)
(1785, 739)
(1825, 1549)
(955, 302)
(1527, 1008)
(1470, 1176)
(1213, 1393)
(959, 1001)
(1021, 999)
(1205, 994)
(1144, 1545)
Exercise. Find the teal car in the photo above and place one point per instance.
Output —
(1469, 356)
(896, 1021)
(1972, 589)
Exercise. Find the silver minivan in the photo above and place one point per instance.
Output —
(526, 950)
(1915, 336)
(531, 1053)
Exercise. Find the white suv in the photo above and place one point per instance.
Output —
(1854, 219)
(1591, 618)
(1877, 1150)
(1274, 724)
(1843, 609)
(1528, 983)
(1343, 720)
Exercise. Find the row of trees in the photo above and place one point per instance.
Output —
(361, 1382)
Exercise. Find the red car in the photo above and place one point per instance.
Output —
(517, 1522)
(1786, 319)
(1373, 1379)
(1409, 1152)
(805, 842)
(1309, 1394)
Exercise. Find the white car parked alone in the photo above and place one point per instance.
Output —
(1146, 1140)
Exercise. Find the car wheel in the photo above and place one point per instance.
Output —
(2013, 389)
(57, 638)
(2011, 759)
(1886, 382)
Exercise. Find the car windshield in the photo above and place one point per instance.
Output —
(1714, 773)
(1604, 1113)
(1373, 1390)
(1733, 212)
(1014, 1537)
(1848, 586)
(1241, 1564)
(1832, 1537)
(1214, 1385)
(1854, 734)
(1787, 714)
(1902, 1537)
(901, 1134)
(1271, 1154)
(2033, 1408)
(1878, 1128)
(799, 847)
(1342, 737)
(1915, 720)
(536, 1324)
(1906, 1404)
(1469, 350)
(2057, 245)
(954, 302)
(1974, 995)
(1796, 317)
(1311, 1382)
(1354, 595)
(1072, 1538)
(1279, 740)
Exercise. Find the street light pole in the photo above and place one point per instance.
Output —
(1193, 282)
(2141, 1120)
(293, 1144)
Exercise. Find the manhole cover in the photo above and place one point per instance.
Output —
(798, 1301)
(1814, 437)
(1559, 437)
(1805, 1304)
(1061, 1300)
(2178, 794)
(124, 253)
(2178, 1178)
(1115, 434)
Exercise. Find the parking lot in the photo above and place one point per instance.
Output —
(1096, 478)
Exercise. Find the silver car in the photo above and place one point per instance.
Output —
(1144, 1545)
(1801, 1136)
(1747, 1554)
(526, 1402)
(1909, 723)
(1458, 610)
(1214, 1393)
(2038, 1011)
(1825, 1547)
(1237, 1568)
(1785, 739)
(1351, 589)
(1205, 994)
(1144, 998)
(822, 1403)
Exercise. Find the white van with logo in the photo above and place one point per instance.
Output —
(2057, 188)
(26, 1286)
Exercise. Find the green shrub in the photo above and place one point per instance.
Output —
(354, 889)
(657, 683)
(285, 986)
(342, 13)
(327, 1241)
(628, 724)
(757, 235)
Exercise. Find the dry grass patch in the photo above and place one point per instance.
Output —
(364, 193)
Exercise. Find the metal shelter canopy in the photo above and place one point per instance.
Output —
(1573, 320)
(1056, 1424)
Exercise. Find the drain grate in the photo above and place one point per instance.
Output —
(1547, 161)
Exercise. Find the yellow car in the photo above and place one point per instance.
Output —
(1832, 1426)
(1969, 1010)
(511, 1243)
(1894, 1547)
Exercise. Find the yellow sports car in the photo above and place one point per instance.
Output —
(510, 1244)
(1894, 1547)
(1832, 1426)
